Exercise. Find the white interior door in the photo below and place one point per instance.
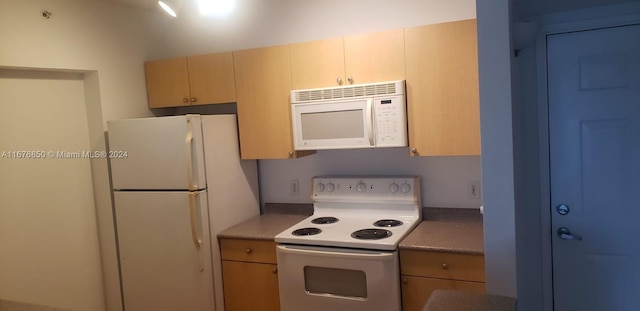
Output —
(49, 248)
(162, 268)
(594, 125)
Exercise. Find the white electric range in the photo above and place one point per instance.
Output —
(344, 256)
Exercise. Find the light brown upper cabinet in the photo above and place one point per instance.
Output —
(442, 89)
(193, 80)
(317, 64)
(263, 83)
(374, 57)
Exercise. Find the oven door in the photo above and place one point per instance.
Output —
(322, 278)
(333, 125)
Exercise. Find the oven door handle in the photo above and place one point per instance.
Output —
(334, 252)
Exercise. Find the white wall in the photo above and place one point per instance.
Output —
(494, 52)
(106, 42)
(273, 22)
(444, 180)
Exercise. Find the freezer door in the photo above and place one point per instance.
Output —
(165, 252)
(164, 153)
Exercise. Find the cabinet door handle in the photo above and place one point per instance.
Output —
(414, 150)
(350, 80)
(248, 250)
(445, 266)
(405, 281)
(193, 99)
(339, 80)
(275, 270)
(185, 100)
(290, 154)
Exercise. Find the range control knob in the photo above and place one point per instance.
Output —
(331, 187)
(394, 188)
(319, 187)
(405, 188)
(361, 186)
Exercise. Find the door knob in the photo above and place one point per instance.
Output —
(565, 234)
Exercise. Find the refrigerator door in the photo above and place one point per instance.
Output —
(165, 252)
(164, 153)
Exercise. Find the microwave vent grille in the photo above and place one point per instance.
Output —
(346, 92)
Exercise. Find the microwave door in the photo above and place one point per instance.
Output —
(333, 125)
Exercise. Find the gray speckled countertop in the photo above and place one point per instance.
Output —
(449, 300)
(443, 229)
(447, 230)
(263, 227)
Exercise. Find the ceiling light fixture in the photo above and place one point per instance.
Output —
(169, 6)
(216, 7)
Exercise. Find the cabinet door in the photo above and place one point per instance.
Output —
(375, 57)
(167, 82)
(416, 290)
(263, 83)
(317, 64)
(250, 286)
(211, 79)
(442, 89)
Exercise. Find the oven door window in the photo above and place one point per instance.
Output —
(338, 282)
(332, 125)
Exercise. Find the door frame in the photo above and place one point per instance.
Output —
(588, 20)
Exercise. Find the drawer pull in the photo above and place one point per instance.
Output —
(248, 250)
(445, 266)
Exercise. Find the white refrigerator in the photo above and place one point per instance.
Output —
(177, 182)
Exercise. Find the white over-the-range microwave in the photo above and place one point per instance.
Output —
(354, 116)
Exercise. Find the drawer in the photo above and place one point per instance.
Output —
(442, 265)
(261, 251)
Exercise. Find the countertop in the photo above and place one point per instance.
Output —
(447, 230)
(263, 227)
(444, 229)
(449, 300)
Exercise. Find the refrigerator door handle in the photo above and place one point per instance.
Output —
(196, 225)
(195, 220)
(190, 168)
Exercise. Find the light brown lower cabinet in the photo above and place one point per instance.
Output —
(249, 275)
(422, 272)
(250, 286)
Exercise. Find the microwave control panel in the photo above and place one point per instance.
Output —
(391, 121)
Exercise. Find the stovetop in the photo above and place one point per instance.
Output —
(358, 212)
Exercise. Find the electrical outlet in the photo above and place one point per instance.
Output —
(294, 187)
(473, 189)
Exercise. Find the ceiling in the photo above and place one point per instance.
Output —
(522, 8)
